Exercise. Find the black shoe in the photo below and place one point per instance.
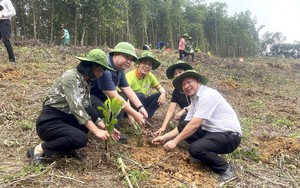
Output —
(194, 160)
(35, 159)
(227, 175)
(123, 139)
(76, 155)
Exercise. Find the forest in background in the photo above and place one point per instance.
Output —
(107, 22)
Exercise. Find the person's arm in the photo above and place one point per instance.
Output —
(127, 107)
(165, 137)
(181, 112)
(102, 134)
(163, 95)
(188, 130)
(134, 100)
(63, 34)
(169, 115)
(10, 11)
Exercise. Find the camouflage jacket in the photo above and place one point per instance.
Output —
(71, 94)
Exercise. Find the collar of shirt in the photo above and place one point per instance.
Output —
(138, 75)
(198, 94)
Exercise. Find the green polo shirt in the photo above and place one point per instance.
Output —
(140, 83)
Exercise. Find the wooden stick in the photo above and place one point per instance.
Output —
(122, 166)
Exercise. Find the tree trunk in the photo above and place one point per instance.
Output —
(82, 36)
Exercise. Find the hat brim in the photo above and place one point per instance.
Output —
(134, 58)
(99, 63)
(177, 82)
(155, 62)
(170, 70)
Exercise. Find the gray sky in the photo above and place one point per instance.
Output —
(277, 15)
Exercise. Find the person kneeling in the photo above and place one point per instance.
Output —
(211, 126)
(141, 80)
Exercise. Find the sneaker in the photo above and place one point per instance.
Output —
(12, 62)
(123, 139)
(76, 154)
(35, 159)
(227, 175)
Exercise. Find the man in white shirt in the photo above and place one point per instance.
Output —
(211, 126)
(7, 11)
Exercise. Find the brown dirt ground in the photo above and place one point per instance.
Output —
(263, 91)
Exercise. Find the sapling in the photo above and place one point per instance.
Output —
(110, 110)
(139, 134)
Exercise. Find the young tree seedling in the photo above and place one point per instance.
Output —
(111, 110)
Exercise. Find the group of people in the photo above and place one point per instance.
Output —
(185, 48)
(206, 120)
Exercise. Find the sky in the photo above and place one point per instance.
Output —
(277, 15)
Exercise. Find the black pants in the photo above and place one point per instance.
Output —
(149, 102)
(190, 54)
(182, 54)
(5, 32)
(62, 132)
(206, 146)
(96, 101)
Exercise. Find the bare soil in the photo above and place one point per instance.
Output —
(263, 91)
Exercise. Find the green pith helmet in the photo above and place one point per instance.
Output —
(185, 35)
(96, 56)
(179, 65)
(177, 82)
(125, 48)
(151, 56)
(189, 38)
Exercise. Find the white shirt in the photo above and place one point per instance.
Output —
(209, 105)
(8, 10)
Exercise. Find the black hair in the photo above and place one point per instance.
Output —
(86, 68)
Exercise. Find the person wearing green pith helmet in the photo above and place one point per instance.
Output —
(120, 59)
(178, 98)
(142, 80)
(189, 49)
(211, 126)
(67, 114)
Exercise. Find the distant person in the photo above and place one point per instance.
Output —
(189, 49)
(7, 11)
(67, 114)
(120, 59)
(178, 98)
(141, 80)
(211, 126)
(65, 37)
(146, 47)
(181, 47)
(161, 45)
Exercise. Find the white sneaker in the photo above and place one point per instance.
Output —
(12, 62)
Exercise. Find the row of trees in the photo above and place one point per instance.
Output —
(106, 22)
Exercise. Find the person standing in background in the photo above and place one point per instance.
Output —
(181, 47)
(65, 37)
(7, 11)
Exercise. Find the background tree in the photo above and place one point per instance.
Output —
(107, 22)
